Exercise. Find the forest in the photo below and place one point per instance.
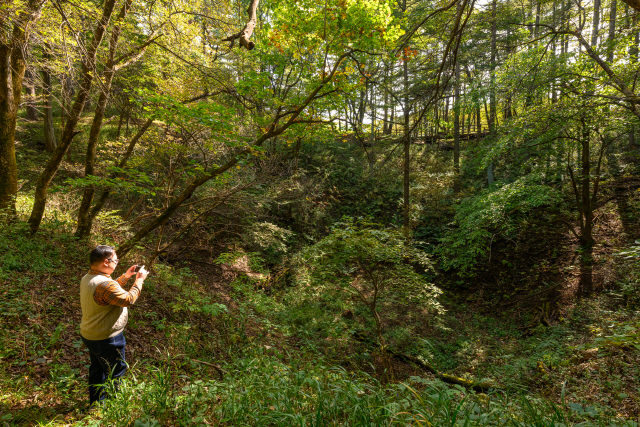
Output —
(353, 212)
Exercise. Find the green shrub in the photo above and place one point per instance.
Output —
(502, 210)
(364, 262)
(630, 275)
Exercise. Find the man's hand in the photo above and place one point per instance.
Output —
(142, 274)
(130, 272)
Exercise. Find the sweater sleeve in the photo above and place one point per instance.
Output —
(111, 292)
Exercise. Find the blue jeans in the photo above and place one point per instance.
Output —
(107, 360)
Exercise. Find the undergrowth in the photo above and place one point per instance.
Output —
(287, 353)
(262, 390)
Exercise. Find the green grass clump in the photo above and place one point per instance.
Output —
(261, 390)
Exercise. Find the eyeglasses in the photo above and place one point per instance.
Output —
(113, 261)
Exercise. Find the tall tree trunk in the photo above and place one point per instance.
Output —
(88, 72)
(445, 113)
(385, 87)
(64, 101)
(30, 88)
(633, 59)
(554, 49)
(362, 105)
(566, 13)
(371, 154)
(47, 102)
(456, 131)
(596, 23)
(536, 31)
(83, 229)
(12, 69)
(612, 31)
(436, 114)
(8, 117)
(506, 110)
(67, 93)
(633, 49)
(407, 145)
(492, 90)
(469, 120)
(407, 140)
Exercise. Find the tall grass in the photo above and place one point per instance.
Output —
(261, 390)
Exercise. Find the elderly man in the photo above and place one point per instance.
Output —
(104, 305)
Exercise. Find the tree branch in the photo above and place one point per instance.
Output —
(247, 31)
(635, 4)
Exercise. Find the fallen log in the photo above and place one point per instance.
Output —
(477, 386)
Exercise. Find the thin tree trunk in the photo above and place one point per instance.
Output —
(612, 31)
(47, 101)
(67, 93)
(385, 123)
(407, 145)
(120, 120)
(361, 107)
(462, 113)
(445, 113)
(371, 154)
(42, 185)
(566, 11)
(456, 131)
(30, 88)
(554, 95)
(436, 113)
(633, 59)
(596, 23)
(536, 31)
(492, 89)
(469, 120)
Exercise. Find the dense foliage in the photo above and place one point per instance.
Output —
(356, 212)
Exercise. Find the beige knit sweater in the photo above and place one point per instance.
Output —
(99, 322)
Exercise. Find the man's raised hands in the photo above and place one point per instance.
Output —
(142, 274)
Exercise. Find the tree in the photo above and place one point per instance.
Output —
(14, 42)
(47, 104)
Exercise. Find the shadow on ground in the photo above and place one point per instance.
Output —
(39, 414)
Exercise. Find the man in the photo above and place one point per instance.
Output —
(104, 305)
